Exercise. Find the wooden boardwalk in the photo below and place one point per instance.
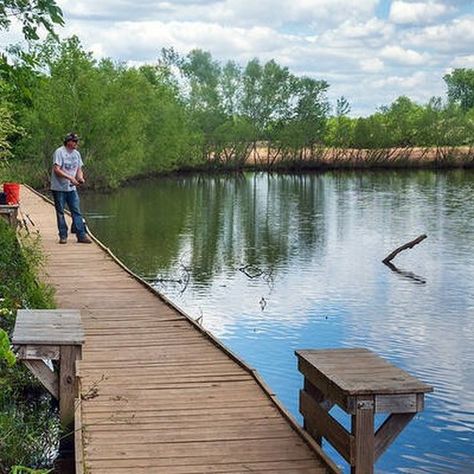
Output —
(159, 394)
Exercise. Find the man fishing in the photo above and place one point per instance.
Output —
(66, 175)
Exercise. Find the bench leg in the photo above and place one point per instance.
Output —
(68, 392)
(364, 438)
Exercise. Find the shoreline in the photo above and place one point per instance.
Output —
(322, 160)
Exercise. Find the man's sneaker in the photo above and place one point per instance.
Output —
(63, 240)
(84, 240)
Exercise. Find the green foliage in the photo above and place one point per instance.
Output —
(6, 353)
(32, 15)
(192, 111)
(19, 286)
(8, 129)
(29, 427)
(234, 109)
(132, 120)
(27, 470)
(460, 84)
(15, 79)
(405, 124)
(29, 431)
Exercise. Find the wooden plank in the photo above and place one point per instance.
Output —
(201, 434)
(78, 437)
(48, 327)
(406, 403)
(45, 375)
(32, 352)
(293, 466)
(326, 426)
(389, 430)
(357, 372)
(270, 449)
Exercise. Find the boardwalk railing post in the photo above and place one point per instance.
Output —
(68, 393)
(46, 335)
(362, 384)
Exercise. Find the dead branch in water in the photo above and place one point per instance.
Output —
(408, 245)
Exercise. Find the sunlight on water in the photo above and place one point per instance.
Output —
(276, 263)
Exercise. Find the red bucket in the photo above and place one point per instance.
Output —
(12, 190)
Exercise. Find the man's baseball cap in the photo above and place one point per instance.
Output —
(71, 137)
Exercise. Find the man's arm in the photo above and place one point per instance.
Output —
(80, 176)
(59, 172)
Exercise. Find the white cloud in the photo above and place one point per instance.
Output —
(454, 37)
(366, 58)
(403, 56)
(235, 12)
(416, 12)
(409, 82)
(419, 86)
(371, 65)
(466, 61)
(142, 41)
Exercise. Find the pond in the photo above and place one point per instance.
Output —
(273, 263)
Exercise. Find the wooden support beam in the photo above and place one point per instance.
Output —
(389, 430)
(32, 352)
(45, 375)
(68, 384)
(406, 403)
(323, 402)
(68, 392)
(324, 385)
(363, 432)
(327, 426)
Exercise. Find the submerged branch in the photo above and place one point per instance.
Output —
(408, 245)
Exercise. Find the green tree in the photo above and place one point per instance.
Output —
(460, 84)
(230, 88)
(312, 107)
(8, 129)
(32, 14)
(402, 122)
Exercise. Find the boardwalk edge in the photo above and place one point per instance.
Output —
(331, 466)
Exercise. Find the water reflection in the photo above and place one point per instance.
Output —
(311, 247)
(405, 274)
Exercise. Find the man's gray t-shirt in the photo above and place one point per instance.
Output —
(69, 162)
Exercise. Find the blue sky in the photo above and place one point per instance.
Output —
(370, 51)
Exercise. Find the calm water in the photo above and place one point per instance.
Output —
(275, 263)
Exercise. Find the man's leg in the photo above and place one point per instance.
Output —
(59, 202)
(78, 223)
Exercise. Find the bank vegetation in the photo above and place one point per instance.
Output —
(193, 112)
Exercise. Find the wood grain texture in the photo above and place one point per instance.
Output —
(358, 372)
(47, 377)
(48, 327)
(160, 394)
(364, 439)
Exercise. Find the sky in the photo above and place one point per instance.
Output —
(370, 51)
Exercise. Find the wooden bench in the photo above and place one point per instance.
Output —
(10, 212)
(362, 384)
(41, 335)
